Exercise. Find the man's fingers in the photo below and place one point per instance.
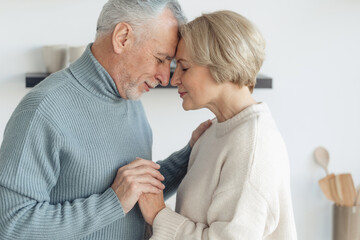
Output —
(199, 131)
(148, 188)
(139, 162)
(145, 170)
(146, 179)
(131, 175)
(202, 128)
(142, 162)
(205, 125)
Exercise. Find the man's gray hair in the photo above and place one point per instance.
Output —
(137, 13)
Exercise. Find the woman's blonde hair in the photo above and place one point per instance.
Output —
(228, 44)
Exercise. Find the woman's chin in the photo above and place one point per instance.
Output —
(188, 107)
(185, 106)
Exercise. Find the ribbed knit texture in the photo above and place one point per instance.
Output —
(237, 185)
(60, 153)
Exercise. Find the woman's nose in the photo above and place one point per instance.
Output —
(175, 80)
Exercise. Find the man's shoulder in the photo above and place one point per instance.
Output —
(52, 86)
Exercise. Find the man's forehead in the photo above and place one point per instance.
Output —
(164, 40)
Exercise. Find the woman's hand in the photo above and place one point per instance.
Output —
(150, 205)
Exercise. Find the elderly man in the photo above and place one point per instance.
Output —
(67, 168)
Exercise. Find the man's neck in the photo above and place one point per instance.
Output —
(102, 51)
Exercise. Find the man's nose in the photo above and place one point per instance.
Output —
(164, 75)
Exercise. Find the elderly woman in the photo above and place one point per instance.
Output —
(237, 185)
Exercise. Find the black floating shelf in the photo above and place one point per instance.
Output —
(32, 79)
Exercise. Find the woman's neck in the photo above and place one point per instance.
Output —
(231, 101)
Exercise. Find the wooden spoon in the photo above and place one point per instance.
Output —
(346, 189)
(357, 199)
(334, 191)
(326, 187)
(322, 158)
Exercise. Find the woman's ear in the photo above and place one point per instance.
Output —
(122, 37)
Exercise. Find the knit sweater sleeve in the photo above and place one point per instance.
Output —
(249, 218)
(174, 169)
(29, 167)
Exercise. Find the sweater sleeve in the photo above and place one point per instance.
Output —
(233, 214)
(29, 168)
(174, 169)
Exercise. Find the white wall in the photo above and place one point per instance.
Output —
(312, 54)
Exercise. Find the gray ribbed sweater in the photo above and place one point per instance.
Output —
(60, 153)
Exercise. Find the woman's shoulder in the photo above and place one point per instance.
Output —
(256, 146)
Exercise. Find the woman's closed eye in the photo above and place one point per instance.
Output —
(184, 67)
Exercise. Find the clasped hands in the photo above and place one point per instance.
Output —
(140, 181)
(138, 177)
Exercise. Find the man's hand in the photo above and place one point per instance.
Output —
(150, 205)
(199, 131)
(138, 177)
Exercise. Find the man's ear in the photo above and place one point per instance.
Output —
(122, 37)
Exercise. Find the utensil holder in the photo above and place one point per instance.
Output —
(346, 223)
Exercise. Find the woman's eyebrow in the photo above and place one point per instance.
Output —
(181, 60)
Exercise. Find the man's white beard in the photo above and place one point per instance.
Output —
(132, 93)
(132, 90)
(131, 87)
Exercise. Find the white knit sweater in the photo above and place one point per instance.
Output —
(237, 185)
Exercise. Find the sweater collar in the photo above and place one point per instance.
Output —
(250, 112)
(93, 77)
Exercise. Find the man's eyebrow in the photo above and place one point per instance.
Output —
(166, 56)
